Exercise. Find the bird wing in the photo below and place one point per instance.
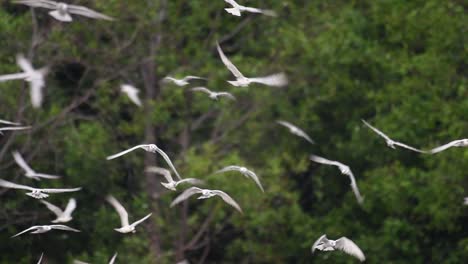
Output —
(120, 210)
(7, 184)
(9, 122)
(14, 128)
(24, 64)
(186, 194)
(317, 242)
(64, 227)
(46, 176)
(60, 190)
(201, 89)
(254, 177)
(191, 77)
(228, 199)
(228, 95)
(380, 133)
(168, 161)
(13, 76)
(168, 79)
(299, 132)
(55, 209)
(26, 230)
(124, 152)
(258, 10)
(36, 92)
(349, 247)
(231, 67)
(133, 95)
(40, 259)
(278, 80)
(162, 171)
(84, 11)
(38, 3)
(232, 2)
(113, 258)
(325, 161)
(22, 163)
(192, 181)
(409, 147)
(141, 220)
(355, 188)
(443, 147)
(71, 206)
(228, 168)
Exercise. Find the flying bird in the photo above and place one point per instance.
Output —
(455, 143)
(150, 148)
(113, 258)
(31, 75)
(344, 170)
(5, 122)
(62, 216)
(40, 259)
(237, 9)
(278, 79)
(126, 227)
(214, 95)
(132, 93)
(391, 143)
(295, 130)
(344, 244)
(182, 82)
(46, 228)
(171, 184)
(35, 192)
(205, 193)
(30, 173)
(62, 11)
(244, 171)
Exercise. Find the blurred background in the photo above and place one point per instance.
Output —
(401, 65)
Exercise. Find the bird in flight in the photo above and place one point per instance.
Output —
(62, 216)
(237, 9)
(46, 228)
(213, 95)
(62, 11)
(132, 93)
(244, 171)
(35, 192)
(278, 79)
(182, 82)
(205, 193)
(344, 170)
(30, 173)
(295, 130)
(391, 143)
(171, 184)
(455, 143)
(5, 122)
(150, 148)
(126, 226)
(40, 259)
(31, 75)
(344, 244)
(113, 258)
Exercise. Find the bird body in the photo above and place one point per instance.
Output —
(126, 226)
(46, 228)
(237, 9)
(182, 82)
(62, 216)
(30, 173)
(244, 171)
(171, 184)
(343, 244)
(205, 194)
(35, 192)
(132, 93)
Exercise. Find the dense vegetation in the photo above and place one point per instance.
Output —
(401, 65)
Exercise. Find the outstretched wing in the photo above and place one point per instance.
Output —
(14, 76)
(64, 227)
(229, 168)
(191, 77)
(228, 63)
(14, 128)
(84, 11)
(21, 162)
(228, 95)
(409, 147)
(124, 152)
(260, 11)
(254, 177)
(46, 176)
(120, 210)
(228, 199)
(71, 206)
(317, 242)
(185, 195)
(113, 258)
(38, 3)
(60, 190)
(192, 181)
(141, 220)
(325, 161)
(277, 80)
(26, 230)
(168, 161)
(9, 122)
(162, 171)
(297, 131)
(7, 184)
(40, 259)
(380, 133)
(350, 248)
(201, 89)
(355, 188)
(444, 147)
(55, 209)
(36, 92)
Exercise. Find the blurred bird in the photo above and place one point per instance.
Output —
(455, 143)
(35, 192)
(5, 122)
(132, 93)
(30, 173)
(236, 9)
(295, 130)
(40, 259)
(344, 244)
(213, 95)
(62, 216)
(182, 82)
(278, 79)
(247, 173)
(204, 195)
(62, 11)
(344, 170)
(31, 75)
(171, 184)
(113, 258)
(150, 148)
(126, 227)
(46, 228)
(391, 143)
